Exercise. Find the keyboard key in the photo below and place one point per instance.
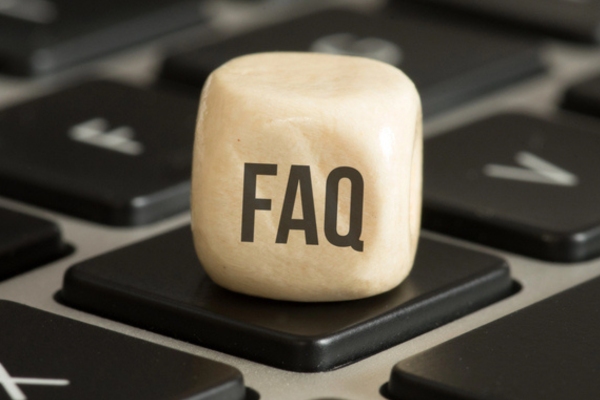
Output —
(519, 183)
(40, 36)
(160, 285)
(584, 97)
(27, 242)
(101, 151)
(45, 356)
(574, 19)
(546, 351)
(448, 62)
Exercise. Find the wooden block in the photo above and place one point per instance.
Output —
(307, 176)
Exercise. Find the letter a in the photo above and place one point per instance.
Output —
(299, 178)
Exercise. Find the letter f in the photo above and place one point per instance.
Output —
(250, 202)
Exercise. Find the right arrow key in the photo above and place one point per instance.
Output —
(519, 183)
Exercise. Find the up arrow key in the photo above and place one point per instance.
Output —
(534, 169)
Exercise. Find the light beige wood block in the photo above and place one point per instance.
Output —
(307, 174)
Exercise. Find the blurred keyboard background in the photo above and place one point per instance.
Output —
(102, 297)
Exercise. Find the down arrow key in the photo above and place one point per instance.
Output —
(533, 169)
(519, 183)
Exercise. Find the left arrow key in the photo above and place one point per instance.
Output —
(101, 151)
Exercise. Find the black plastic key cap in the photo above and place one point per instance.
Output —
(160, 285)
(574, 19)
(45, 356)
(101, 151)
(40, 36)
(27, 242)
(517, 182)
(549, 351)
(448, 62)
(584, 97)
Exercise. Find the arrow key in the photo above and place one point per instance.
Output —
(519, 183)
(102, 151)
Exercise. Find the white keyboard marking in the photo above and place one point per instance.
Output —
(350, 45)
(536, 170)
(10, 384)
(95, 132)
(38, 11)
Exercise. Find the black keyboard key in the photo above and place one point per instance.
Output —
(101, 151)
(45, 356)
(584, 97)
(546, 351)
(40, 36)
(448, 62)
(574, 19)
(27, 242)
(160, 285)
(519, 183)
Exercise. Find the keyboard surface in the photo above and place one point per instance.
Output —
(94, 233)
(574, 19)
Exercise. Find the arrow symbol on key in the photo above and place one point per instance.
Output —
(95, 132)
(535, 169)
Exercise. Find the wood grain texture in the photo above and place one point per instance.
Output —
(307, 176)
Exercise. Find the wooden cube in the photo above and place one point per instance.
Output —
(307, 176)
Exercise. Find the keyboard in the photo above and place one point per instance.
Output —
(103, 297)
